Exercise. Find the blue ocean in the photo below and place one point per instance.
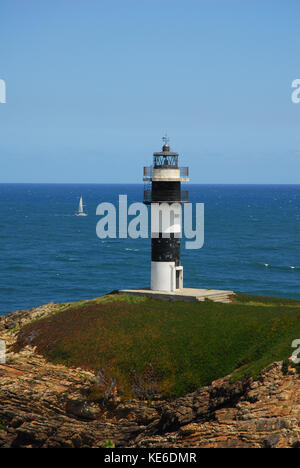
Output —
(252, 243)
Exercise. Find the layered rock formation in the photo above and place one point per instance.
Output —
(46, 405)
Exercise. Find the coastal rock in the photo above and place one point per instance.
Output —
(76, 405)
(46, 405)
(22, 317)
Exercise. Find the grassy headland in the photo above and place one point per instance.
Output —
(180, 345)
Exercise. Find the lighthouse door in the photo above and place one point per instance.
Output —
(177, 279)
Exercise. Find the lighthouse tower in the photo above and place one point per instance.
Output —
(163, 193)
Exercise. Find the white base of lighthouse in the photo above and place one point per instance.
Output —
(165, 276)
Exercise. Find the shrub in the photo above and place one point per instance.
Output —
(188, 344)
(285, 367)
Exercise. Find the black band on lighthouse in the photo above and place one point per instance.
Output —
(166, 249)
(166, 191)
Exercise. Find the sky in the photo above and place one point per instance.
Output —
(93, 85)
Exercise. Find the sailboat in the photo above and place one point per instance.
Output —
(80, 211)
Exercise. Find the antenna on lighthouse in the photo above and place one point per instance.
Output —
(165, 139)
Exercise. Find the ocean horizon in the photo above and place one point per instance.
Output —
(252, 243)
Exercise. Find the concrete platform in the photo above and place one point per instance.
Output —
(185, 294)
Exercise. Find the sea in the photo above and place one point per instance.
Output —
(252, 243)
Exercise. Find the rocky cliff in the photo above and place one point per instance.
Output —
(46, 405)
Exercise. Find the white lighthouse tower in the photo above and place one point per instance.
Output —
(163, 193)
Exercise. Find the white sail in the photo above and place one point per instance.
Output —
(80, 208)
(80, 211)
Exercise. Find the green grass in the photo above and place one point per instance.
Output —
(187, 344)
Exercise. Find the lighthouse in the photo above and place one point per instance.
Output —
(163, 193)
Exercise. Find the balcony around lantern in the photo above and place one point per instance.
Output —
(166, 173)
(148, 199)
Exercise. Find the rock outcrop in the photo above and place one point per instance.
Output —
(47, 405)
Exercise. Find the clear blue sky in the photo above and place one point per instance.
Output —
(92, 85)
